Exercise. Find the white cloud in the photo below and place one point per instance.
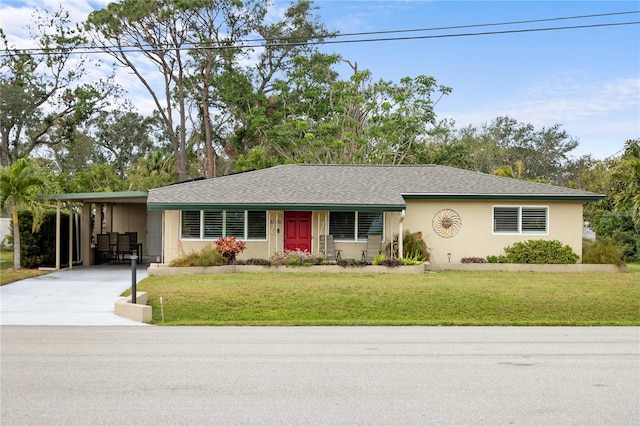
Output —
(600, 114)
(570, 99)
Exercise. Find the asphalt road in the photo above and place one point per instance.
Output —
(320, 375)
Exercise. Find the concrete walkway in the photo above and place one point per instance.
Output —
(80, 296)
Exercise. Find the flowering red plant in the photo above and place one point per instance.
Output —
(229, 247)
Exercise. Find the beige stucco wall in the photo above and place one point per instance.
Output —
(476, 238)
(174, 245)
(129, 218)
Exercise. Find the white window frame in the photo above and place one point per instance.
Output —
(519, 231)
(224, 221)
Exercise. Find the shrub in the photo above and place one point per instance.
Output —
(208, 256)
(229, 248)
(391, 263)
(414, 246)
(621, 227)
(39, 248)
(297, 258)
(496, 259)
(602, 252)
(379, 258)
(345, 263)
(474, 260)
(540, 252)
(259, 262)
(415, 260)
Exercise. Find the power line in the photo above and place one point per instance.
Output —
(289, 42)
(456, 27)
(479, 34)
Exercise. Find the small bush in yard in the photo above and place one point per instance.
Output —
(473, 260)
(414, 246)
(208, 256)
(229, 248)
(391, 263)
(602, 252)
(297, 258)
(540, 252)
(259, 262)
(347, 263)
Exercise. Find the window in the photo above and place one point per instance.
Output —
(369, 223)
(257, 225)
(234, 224)
(213, 224)
(520, 220)
(191, 224)
(534, 220)
(342, 225)
(505, 219)
(345, 226)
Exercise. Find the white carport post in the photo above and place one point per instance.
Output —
(58, 236)
(400, 249)
(70, 235)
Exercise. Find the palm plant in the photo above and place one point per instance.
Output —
(514, 172)
(20, 185)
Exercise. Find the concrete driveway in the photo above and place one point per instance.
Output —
(80, 296)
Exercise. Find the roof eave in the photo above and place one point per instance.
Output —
(287, 207)
(582, 198)
(98, 197)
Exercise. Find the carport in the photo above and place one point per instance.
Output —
(104, 212)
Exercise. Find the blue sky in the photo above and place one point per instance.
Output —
(587, 80)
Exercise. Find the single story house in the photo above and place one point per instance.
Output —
(460, 213)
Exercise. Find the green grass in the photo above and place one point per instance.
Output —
(9, 275)
(444, 298)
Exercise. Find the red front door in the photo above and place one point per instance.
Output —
(297, 231)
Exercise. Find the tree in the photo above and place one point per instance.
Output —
(96, 177)
(505, 141)
(156, 169)
(20, 185)
(121, 138)
(617, 217)
(626, 180)
(245, 83)
(320, 119)
(133, 30)
(201, 51)
(514, 172)
(44, 98)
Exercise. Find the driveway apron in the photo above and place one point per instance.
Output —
(82, 296)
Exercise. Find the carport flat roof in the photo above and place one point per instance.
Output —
(104, 197)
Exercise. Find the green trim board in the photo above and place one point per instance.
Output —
(98, 195)
(287, 207)
(510, 197)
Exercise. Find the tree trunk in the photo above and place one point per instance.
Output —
(16, 238)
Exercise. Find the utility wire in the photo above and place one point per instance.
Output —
(291, 41)
(495, 24)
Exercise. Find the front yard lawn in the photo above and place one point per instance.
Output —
(444, 298)
(9, 275)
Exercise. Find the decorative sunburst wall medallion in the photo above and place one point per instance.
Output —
(447, 223)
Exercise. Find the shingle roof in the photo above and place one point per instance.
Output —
(366, 186)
